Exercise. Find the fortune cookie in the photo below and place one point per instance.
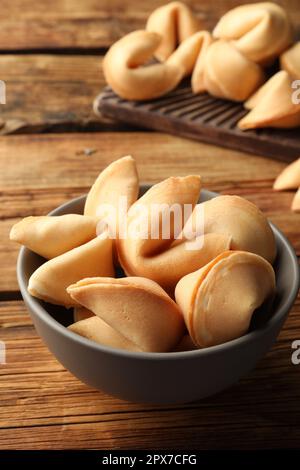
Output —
(191, 56)
(289, 178)
(97, 330)
(113, 192)
(296, 202)
(175, 22)
(272, 105)
(218, 300)
(137, 308)
(290, 61)
(153, 246)
(260, 31)
(50, 280)
(243, 222)
(229, 74)
(123, 72)
(52, 236)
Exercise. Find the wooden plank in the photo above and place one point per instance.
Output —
(92, 24)
(50, 92)
(40, 172)
(200, 117)
(49, 408)
(57, 161)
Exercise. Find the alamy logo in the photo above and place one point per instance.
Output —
(296, 93)
(153, 221)
(296, 354)
(2, 353)
(2, 92)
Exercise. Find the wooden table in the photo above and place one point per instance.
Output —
(51, 63)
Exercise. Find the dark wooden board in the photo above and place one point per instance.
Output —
(201, 117)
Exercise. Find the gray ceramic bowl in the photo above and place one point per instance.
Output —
(160, 377)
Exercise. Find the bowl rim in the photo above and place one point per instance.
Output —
(34, 304)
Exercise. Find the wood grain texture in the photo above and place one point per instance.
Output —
(43, 406)
(93, 24)
(56, 92)
(50, 92)
(40, 172)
